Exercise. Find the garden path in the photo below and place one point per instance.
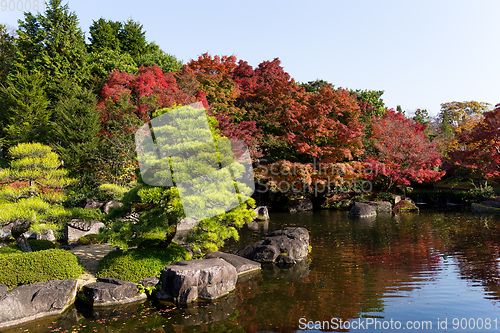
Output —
(90, 255)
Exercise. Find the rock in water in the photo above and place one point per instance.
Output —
(111, 291)
(33, 301)
(241, 264)
(286, 245)
(360, 209)
(186, 281)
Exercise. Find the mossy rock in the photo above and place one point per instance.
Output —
(405, 206)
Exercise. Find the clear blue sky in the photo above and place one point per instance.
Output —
(421, 53)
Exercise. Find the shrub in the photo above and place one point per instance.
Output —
(135, 264)
(112, 192)
(10, 249)
(385, 196)
(40, 244)
(86, 214)
(481, 193)
(25, 268)
(93, 239)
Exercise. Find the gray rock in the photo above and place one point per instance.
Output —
(296, 272)
(360, 209)
(186, 281)
(46, 234)
(406, 206)
(262, 213)
(187, 224)
(76, 229)
(380, 206)
(111, 291)
(3, 289)
(286, 245)
(90, 204)
(482, 208)
(301, 205)
(33, 301)
(241, 264)
(106, 208)
(149, 282)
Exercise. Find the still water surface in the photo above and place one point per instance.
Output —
(437, 271)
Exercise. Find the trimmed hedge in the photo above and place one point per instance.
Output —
(25, 268)
(135, 264)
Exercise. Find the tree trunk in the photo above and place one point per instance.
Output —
(23, 244)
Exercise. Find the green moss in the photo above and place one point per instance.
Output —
(40, 244)
(25, 268)
(135, 264)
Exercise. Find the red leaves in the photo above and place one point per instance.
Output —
(404, 150)
(479, 148)
(131, 99)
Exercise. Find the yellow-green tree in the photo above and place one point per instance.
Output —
(32, 185)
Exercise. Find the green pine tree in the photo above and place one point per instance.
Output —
(54, 45)
(76, 126)
(25, 115)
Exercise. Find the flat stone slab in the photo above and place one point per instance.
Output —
(186, 281)
(285, 246)
(37, 300)
(111, 291)
(241, 264)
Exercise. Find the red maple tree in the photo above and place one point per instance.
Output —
(403, 152)
(479, 148)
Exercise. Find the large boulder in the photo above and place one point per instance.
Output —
(46, 234)
(241, 264)
(76, 229)
(106, 208)
(405, 206)
(111, 291)
(90, 204)
(186, 281)
(33, 301)
(380, 206)
(300, 205)
(360, 209)
(286, 246)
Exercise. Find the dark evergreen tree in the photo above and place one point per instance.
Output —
(76, 126)
(54, 45)
(25, 115)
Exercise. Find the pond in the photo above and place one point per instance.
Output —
(435, 271)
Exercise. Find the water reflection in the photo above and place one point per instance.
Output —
(428, 266)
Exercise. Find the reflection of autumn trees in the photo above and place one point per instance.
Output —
(356, 265)
(475, 247)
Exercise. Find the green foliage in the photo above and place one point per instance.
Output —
(39, 227)
(13, 248)
(136, 264)
(52, 43)
(80, 213)
(93, 239)
(112, 192)
(30, 210)
(41, 245)
(167, 62)
(108, 60)
(25, 268)
(374, 98)
(25, 115)
(315, 86)
(385, 196)
(7, 51)
(481, 193)
(76, 126)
